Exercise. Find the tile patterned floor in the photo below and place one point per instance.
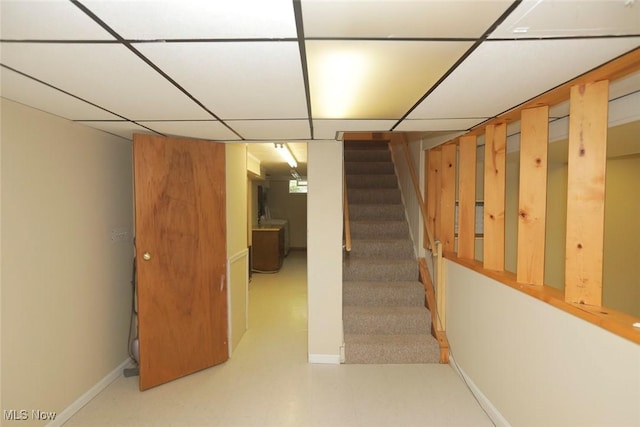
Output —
(268, 382)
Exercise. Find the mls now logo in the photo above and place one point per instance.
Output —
(15, 414)
(23, 415)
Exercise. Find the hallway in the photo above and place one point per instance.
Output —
(268, 382)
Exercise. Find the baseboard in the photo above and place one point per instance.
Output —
(492, 411)
(326, 359)
(70, 410)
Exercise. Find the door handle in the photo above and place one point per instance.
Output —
(146, 256)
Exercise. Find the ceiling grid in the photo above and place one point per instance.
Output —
(298, 71)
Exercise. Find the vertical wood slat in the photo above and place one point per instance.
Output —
(448, 196)
(494, 196)
(433, 191)
(586, 192)
(532, 200)
(467, 197)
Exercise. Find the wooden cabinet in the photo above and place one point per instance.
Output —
(268, 248)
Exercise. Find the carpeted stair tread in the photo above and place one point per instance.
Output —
(384, 315)
(376, 294)
(368, 168)
(367, 155)
(386, 320)
(382, 248)
(373, 269)
(366, 145)
(372, 181)
(379, 230)
(389, 349)
(373, 212)
(374, 195)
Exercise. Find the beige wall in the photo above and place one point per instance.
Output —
(621, 269)
(237, 253)
(66, 291)
(324, 252)
(292, 207)
(537, 365)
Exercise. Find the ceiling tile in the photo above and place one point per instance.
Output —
(328, 129)
(37, 95)
(374, 80)
(205, 129)
(393, 19)
(243, 80)
(439, 124)
(272, 129)
(121, 128)
(500, 75)
(190, 19)
(107, 75)
(52, 20)
(552, 18)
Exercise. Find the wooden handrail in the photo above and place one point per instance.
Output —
(436, 320)
(347, 225)
(416, 187)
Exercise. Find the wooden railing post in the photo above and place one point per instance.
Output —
(448, 196)
(467, 197)
(585, 198)
(434, 160)
(347, 224)
(532, 200)
(494, 196)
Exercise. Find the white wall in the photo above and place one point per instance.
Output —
(66, 286)
(538, 365)
(237, 252)
(324, 251)
(409, 197)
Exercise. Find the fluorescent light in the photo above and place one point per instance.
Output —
(286, 154)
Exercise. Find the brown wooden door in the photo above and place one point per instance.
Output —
(181, 256)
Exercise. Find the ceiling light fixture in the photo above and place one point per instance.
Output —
(286, 154)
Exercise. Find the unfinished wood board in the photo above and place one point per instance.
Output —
(448, 194)
(433, 191)
(467, 197)
(494, 196)
(532, 200)
(586, 191)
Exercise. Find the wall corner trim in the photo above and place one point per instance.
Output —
(70, 410)
(492, 412)
(326, 359)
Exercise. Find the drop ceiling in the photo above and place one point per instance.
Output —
(261, 71)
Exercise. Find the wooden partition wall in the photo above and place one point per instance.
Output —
(588, 97)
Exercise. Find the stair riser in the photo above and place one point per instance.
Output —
(393, 212)
(374, 196)
(368, 168)
(386, 249)
(386, 324)
(379, 230)
(372, 181)
(366, 145)
(379, 272)
(367, 156)
(382, 298)
(396, 354)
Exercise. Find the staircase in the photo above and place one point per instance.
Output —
(384, 314)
